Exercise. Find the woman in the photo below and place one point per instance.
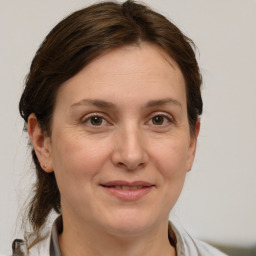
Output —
(112, 105)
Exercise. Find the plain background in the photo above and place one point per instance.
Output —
(219, 198)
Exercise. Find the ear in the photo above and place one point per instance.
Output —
(192, 146)
(41, 143)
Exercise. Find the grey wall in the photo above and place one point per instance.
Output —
(218, 202)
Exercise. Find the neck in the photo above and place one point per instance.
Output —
(91, 241)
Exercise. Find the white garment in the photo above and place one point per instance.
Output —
(186, 245)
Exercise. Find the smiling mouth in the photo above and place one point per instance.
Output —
(128, 191)
(127, 187)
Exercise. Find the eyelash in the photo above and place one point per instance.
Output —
(88, 119)
(166, 119)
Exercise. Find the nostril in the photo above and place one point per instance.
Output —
(128, 156)
(131, 166)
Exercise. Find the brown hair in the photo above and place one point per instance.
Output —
(75, 42)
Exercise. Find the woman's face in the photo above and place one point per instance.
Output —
(120, 145)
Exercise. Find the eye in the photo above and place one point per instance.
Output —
(160, 120)
(95, 120)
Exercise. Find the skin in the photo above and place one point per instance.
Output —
(141, 134)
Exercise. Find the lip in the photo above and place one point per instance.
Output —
(128, 194)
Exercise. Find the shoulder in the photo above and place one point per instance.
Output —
(47, 246)
(187, 245)
(42, 248)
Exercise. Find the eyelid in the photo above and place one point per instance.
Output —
(166, 115)
(87, 117)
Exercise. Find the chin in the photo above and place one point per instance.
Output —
(128, 224)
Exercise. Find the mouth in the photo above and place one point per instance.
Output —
(128, 191)
(126, 187)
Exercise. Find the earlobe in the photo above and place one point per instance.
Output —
(193, 143)
(41, 143)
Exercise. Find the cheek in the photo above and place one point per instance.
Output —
(77, 161)
(171, 157)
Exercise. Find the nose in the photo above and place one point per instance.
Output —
(130, 150)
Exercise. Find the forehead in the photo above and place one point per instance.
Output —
(133, 59)
(131, 71)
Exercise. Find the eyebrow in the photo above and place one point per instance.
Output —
(155, 103)
(110, 105)
(94, 102)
